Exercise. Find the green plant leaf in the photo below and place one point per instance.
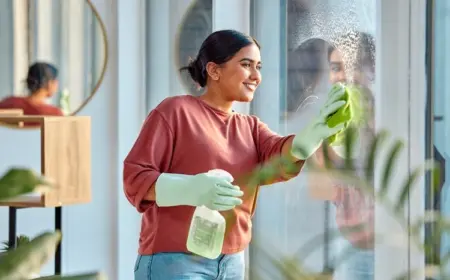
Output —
(19, 181)
(326, 156)
(350, 140)
(377, 141)
(29, 258)
(409, 184)
(20, 240)
(290, 267)
(389, 167)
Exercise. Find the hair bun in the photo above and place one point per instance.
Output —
(196, 71)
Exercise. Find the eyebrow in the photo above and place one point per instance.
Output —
(249, 60)
(336, 62)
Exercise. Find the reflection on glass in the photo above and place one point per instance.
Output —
(438, 123)
(326, 41)
(66, 34)
(351, 60)
(195, 27)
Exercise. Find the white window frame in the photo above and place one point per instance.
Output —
(400, 108)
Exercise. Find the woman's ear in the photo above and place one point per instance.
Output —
(212, 70)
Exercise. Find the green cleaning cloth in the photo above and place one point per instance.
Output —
(350, 114)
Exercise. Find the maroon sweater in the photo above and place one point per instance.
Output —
(185, 135)
(15, 102)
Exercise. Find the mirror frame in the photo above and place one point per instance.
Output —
(177, 42)
(104, 67)
(105, 63)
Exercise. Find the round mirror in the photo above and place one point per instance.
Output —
(54, 56)
(194, 28)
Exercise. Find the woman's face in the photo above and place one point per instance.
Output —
(338, 72)
(238, 78)
(52, 87)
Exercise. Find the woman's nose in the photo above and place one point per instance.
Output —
(255, 75)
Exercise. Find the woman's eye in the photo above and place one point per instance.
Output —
(259, 67)
(246, 65)
(335, 69)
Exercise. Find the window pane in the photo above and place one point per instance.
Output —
(438, 122)
(196, 26)
(319, 43)
(172, 33)
(7, 50)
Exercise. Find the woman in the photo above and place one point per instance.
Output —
(352, 60)
(184, 137)
(42, 84)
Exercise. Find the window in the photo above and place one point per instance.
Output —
(299, 40)
(8, 80)
(297, 45)
(437, 121)
(174, 33)
(196, 26)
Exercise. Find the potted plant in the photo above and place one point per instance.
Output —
(27, 259)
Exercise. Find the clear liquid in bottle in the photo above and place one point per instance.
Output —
(207, 230)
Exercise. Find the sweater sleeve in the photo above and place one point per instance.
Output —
(269, 145)
(149, 157)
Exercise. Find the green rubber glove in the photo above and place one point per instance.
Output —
(310, 138)
(212, 190)
(350, 113)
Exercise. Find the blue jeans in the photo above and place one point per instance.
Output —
(180, 266)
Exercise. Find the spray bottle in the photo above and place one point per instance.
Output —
(207, 230)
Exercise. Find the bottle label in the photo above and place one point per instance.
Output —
(204, 232)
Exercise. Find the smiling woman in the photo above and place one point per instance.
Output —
(231, 72)
(166, 173)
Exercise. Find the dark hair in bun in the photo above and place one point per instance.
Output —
(39, 75)
(197, 72)
(219, 47)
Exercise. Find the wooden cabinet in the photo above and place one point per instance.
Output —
(65, 159)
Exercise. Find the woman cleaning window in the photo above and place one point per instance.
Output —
(166, 173)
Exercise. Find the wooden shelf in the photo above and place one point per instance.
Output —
(65, 159)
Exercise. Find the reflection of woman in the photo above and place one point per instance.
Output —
(42, 84)
(165, 173)
(352, 53)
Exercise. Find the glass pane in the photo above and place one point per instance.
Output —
(196, 26)
(322, 42)
(6, 49)
(438, 122)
